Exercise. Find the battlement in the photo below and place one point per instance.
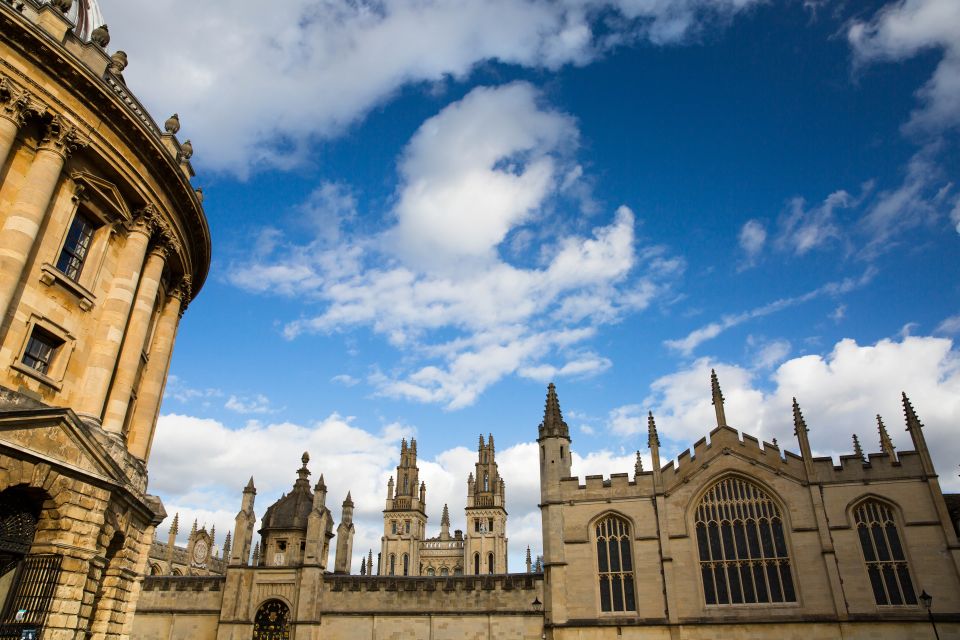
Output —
(183, 583)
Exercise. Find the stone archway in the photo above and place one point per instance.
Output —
(272, 621)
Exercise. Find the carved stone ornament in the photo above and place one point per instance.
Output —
(61, 136)
(63, 5)
(144, 220)
(186, 150)
(172, 125)
(100, 36)
(183, 290)
(17, 104)
(118, 62)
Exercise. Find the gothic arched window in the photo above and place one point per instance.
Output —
(615, 564)
(272, 621)
(393, 564)
(489, 563)
(406, 565)
(486, 482)
(743, 549)
(476, 564)
(883, 554)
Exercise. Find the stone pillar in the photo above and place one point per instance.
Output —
(13, 114)
(102, 359)
(30, 207)
(137, 326)
(150, 394)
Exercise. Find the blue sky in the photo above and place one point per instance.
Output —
(422, 212)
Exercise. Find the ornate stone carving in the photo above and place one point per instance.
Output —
(186, 150)
(17, 103)
(100, 36)
(172, 125)
(144, 220)
(61, 136)
(63, 5)
(183, 290)
(118, 62)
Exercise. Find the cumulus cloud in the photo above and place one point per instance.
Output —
(273, 81)
(839, 392)
(949, 326)
(441, 270)
(709, 331)
(902, 30)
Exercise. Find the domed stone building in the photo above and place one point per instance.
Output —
(103, 243)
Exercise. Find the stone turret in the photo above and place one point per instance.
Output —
(345, 533)
(243, 528)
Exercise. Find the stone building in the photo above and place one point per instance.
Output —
(103, 243)
(200, 557)
(738, 539)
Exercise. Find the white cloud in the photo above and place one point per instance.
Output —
(901, 30)
(257, 403)
(272, 81)
(437, 286)
(695, 338)
(345, 379)
(768, 353)
(178, 389)
(753, 237)
(839, 393)
(803, 229)
(950, 326)
(328, 207)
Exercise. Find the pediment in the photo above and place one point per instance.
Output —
(59, 438)
(101, 196)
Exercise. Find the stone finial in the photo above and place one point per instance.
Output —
(481, 445)
(553, 424)
(490, 441)
(775, 443)
(539, 568)
(199, 192)
(913, 422)
(175, 525)
(213, 533)
(193, 529)
(348, 501)
(653, 439)
(370, 561)
(250, 488)
(172, 125)
(100, 36)
(529, 562)
(915, 427)
(717, 399)
(363, 566)
(256, 554)
(799, 424)
(445, 518)
(403, 446)
(186, 150)
(226, 547)
(886, 445)
(63, 5)
(857, 449)
(303, 473)
(118, 62)
(637, 466)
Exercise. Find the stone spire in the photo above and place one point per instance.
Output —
(529, 561)
(370, 570)
(363, 566)
(653, 441)
(175, 525)
(345, 531)
(553, 424)
(226, 548)
(213, 534)
(915, 427)
(800, 430)
(193, 529)
(886, 445)
(717, 399)
(250, 488)
(637, 466)
(857, 449)
(256, 554)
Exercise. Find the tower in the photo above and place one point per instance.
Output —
(554, 442)
(345, 538)
(404, 517)
(243, 529)
(485, 548)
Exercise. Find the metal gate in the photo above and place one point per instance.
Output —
(30, 596)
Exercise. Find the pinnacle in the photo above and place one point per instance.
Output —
(250, 486)
(445, 518)
(653, 440)
(799, 424)
(912, 420)
(553, 423)
(857, 449)
(715, 387)
(348, 501)
(886, 445)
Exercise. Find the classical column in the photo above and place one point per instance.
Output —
(13, 114)
(22, 225)
(137, 326)
(102, 358)
(150, 394)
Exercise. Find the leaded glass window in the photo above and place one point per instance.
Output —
(41, 348)
(615, 564)
(883, 554)
(75, 247)
(742, 546)
(272, 621)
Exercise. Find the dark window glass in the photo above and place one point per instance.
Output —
(883, 554)
(41, 349)
(742, 546)
(615, 565)
(75, 247)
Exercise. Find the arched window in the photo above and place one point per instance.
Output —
(406, 565)
(393, 564)
(272, 621)
(431, 571)
(615, 564)
(743, 550)
(486, 482)
(476, 564)
(444, 571)
(883, 554)
(489, 563)
(156, 570)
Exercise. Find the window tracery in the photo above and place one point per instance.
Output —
(615, 564)
(742, 546)
(883, 554)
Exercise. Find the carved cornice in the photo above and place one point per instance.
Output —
(17, 103)
(144, 220)
(62, 136)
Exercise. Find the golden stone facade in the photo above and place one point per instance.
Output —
(103, 242)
